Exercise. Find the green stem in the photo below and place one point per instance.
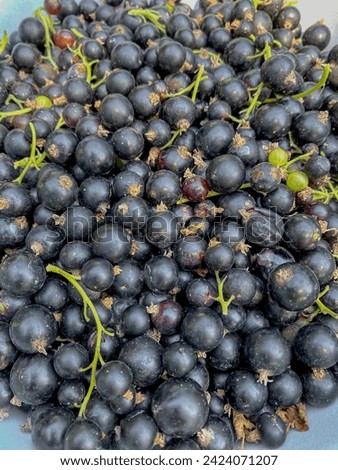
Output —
(253, 103)
(99, 331)
(193, 85)
(183, 200)
(305, 157)
(60, 123)
(149, 15)
(293, 143)
(172, 139)
(211, 54)
(266, 53)
(322, 307)
(245, 186)
(18, 112)
(77, 33)
(31, 159)
(199, 79)
(15, 100)
(323, 196)
(3, 42)
(220, 298)
(321, 83)
(47, 22)
(334, 191)
(88, 64)
(98, 83)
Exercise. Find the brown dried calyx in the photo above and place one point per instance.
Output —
(39, 345)
(295, 417)
(66, 182)
(245, 430)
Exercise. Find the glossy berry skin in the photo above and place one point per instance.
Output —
(265, 177)
(64, 39)
(163, 186)
(113, 379)
(316, 346)
(214, 138)
(178, 359)
(200, 293)
(202, 328)
(135, 320)
(83, 434)
(22, 273)
(263, 227)
(53, 7)
(312, 126)
(216, 434)
(293, 286)
(319, 387)
(285, 390)
(219, 257)
(302, 232)
(99, 411)
(13, 231)
(70, 393)
(128, 143)
(321, 262)
(49, 428)
(277, 72)
(269, 258)
(97, 274)
(160, 274)
(272, 121)
(69, 359)
(126, 55)
(74, 255)
(225, 173)
(162, 229)
(244, 393)
(33, 379)
(168, 317)
(241, 284)
(15, 200)
(45, 241)
(31, 30)
(57, 190)
(144, 357)
(272, 430)
(33, 329)
(179, 407)
(94, 155)
(226, 355)
(171, 56)
(266, 350)
(195, 188)
(111, 242)
(116, 111)
(8, 351)
(138, 431)
(318, 35)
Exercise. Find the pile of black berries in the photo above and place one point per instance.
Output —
(168, 223)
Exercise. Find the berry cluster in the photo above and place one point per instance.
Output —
(168, 223)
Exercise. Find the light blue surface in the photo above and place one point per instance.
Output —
(323, 433)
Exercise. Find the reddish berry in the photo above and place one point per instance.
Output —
(53, 7)
(64, 38)
(195, 188)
